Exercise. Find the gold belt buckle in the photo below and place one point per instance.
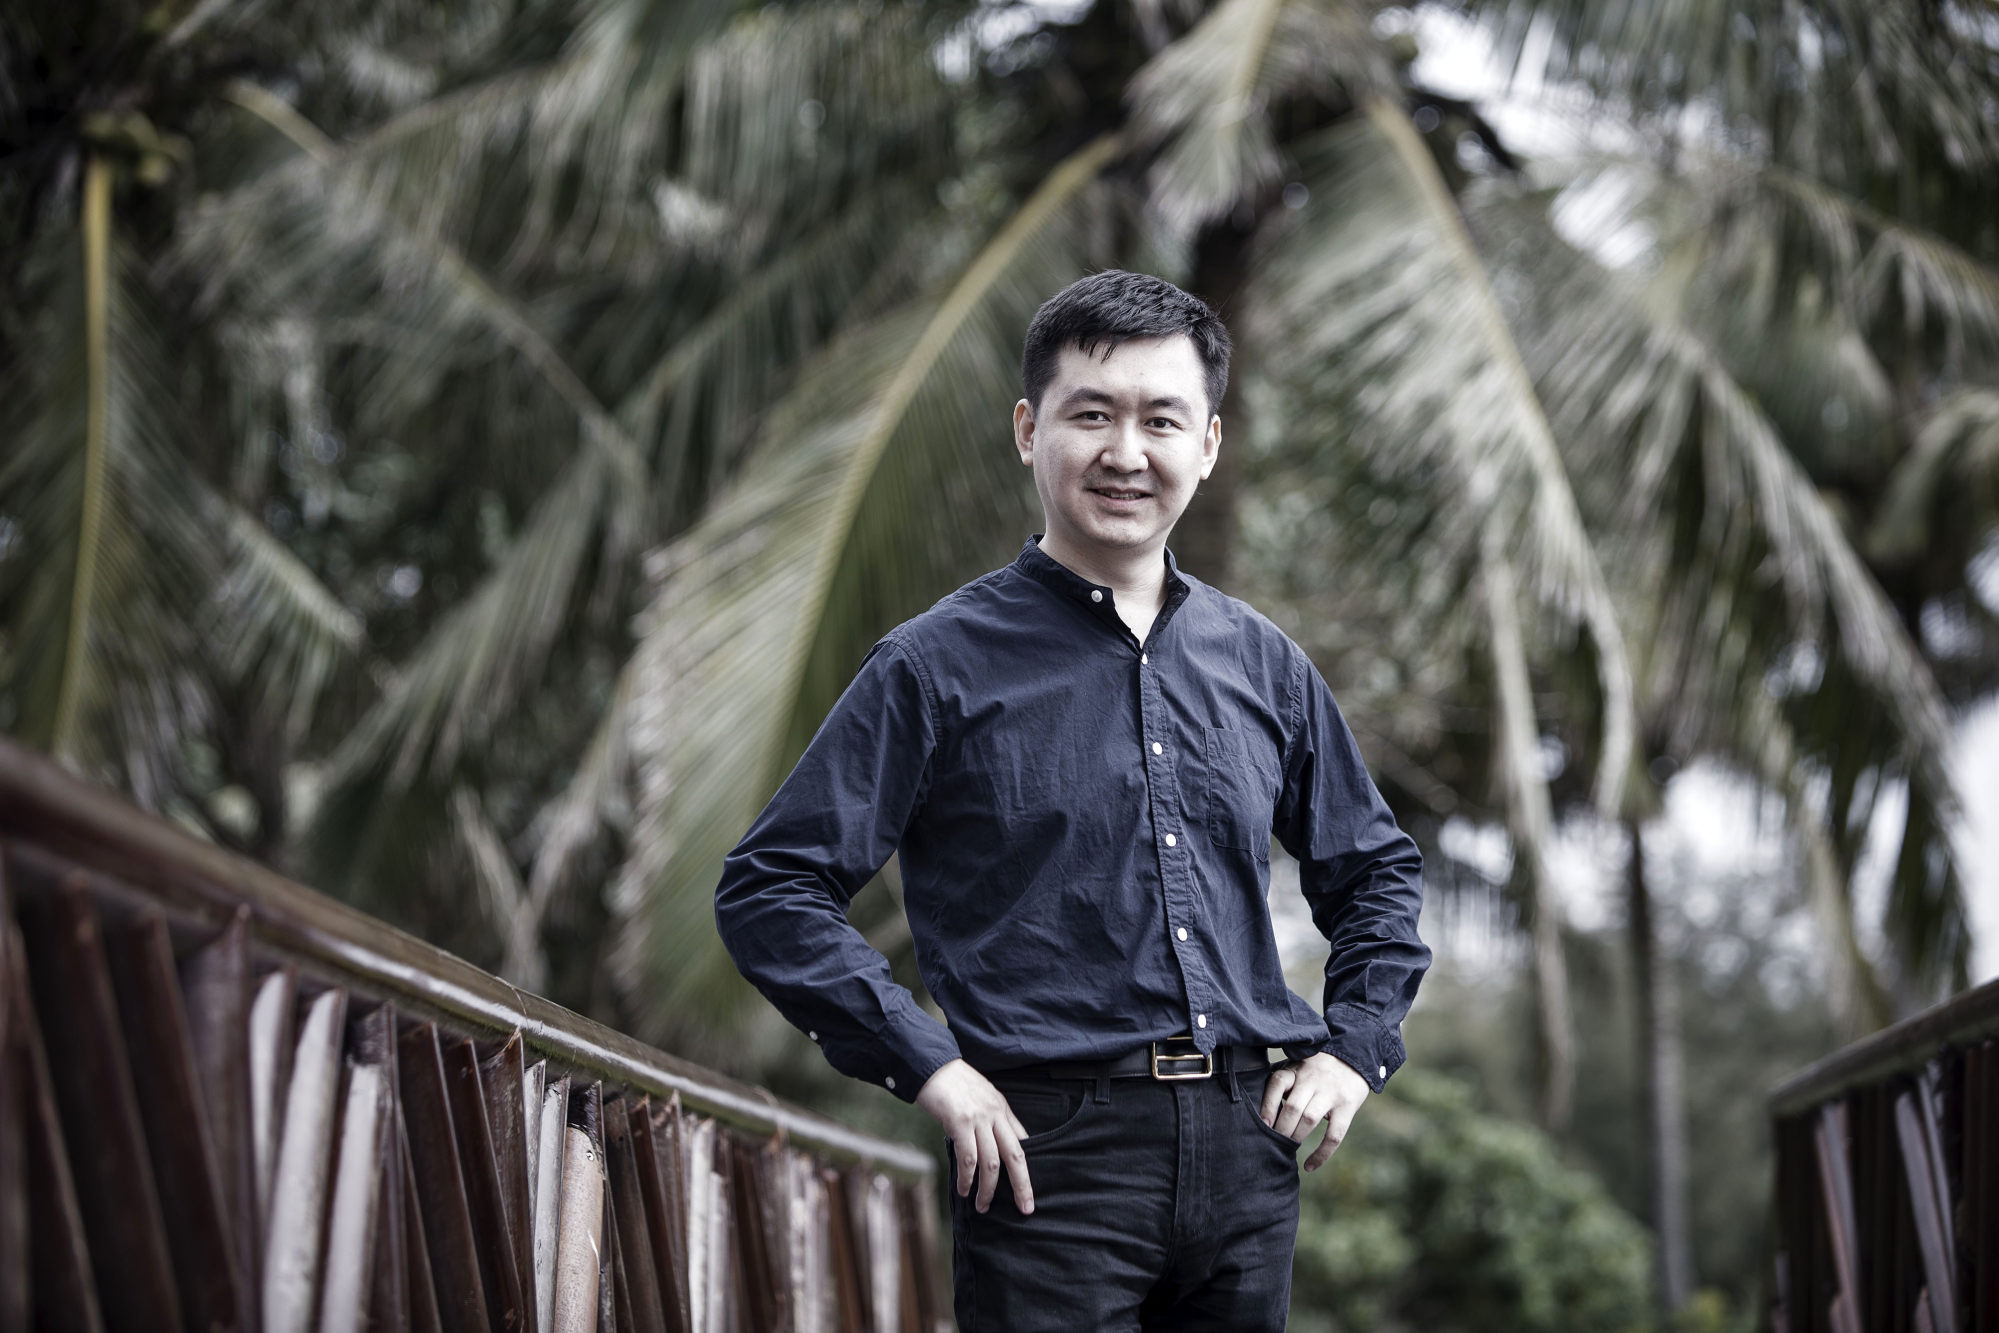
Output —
(1207, 1060)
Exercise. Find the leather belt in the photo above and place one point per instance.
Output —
(1169, 1059)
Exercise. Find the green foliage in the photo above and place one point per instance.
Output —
(1753, 1007)
(1434, 1215)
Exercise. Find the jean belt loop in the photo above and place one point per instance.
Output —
(1103, 1092)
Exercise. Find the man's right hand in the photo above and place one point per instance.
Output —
(983, 1129)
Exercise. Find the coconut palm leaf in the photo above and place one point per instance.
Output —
(1841, 88)
(392, 242)
(870, 494)
(1206, 96)
(113, 630)
(1378, 311)
(1955, 458)
(1748, 235)
(276, 624)
(1384, 304)
(1721, 525)
(491, 645)
(469, 670)
(95, 640)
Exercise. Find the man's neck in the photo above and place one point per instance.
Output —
(1136, 575)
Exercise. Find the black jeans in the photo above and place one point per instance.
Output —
(1157, 1205)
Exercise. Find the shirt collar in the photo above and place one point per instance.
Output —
(1046, 570)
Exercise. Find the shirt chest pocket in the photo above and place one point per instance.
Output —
(1241, 789)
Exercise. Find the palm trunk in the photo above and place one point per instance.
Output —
(1662, 1110)
(1204, 538)
(1553, 1021)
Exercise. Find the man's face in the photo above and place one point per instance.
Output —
(1120, 442)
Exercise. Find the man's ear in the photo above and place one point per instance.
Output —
(1023, 431)
(1211, 446)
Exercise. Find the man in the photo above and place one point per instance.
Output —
(1081, 759)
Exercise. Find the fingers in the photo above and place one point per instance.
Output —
(1300, 1114)
(981, 1148)
(966, 1150)
(989, 1165)
(1338, 1122)
(1274, 1088)
(1016, 1169)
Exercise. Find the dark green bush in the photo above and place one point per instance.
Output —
(1437, 1217)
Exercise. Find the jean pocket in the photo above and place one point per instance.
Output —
(1046, 1107)
(1252, 1088)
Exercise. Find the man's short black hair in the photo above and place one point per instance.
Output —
(1104, 309)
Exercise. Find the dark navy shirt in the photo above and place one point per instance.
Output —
(1083, 824)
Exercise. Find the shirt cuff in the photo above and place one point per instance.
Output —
(916, 1046)
(1359, 1039)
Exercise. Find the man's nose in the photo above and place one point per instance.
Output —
(1125, 450)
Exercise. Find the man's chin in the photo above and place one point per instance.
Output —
(1112, 534)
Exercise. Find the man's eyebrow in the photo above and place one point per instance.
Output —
(1171, 403)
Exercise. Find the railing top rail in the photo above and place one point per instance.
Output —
(44, 806)
(1906, 1046)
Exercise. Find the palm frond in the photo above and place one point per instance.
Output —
(1955, 456)
(594, 799)
(1206, 97)
(508, 909)
(468, 670)
(389, 237)
(1842, 88)
(98, 651)
(1721, 525)
(1382, 304)
(276, 623)
(1658, 380)
(1878, 265)
(871, 494)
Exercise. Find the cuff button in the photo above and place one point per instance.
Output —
(1384, 1071)
(890, 1080)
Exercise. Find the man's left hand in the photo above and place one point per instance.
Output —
(1321, 1087)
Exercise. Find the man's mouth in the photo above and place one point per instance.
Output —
(1120, 492)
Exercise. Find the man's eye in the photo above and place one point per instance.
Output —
(1167, 423)
(1092, 415)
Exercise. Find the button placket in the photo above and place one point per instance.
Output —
(1163, 789)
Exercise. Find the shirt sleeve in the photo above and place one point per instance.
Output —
(781, 906)
(1362, 876)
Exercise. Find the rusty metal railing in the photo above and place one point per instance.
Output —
(1886, 1208)
(228, 1102)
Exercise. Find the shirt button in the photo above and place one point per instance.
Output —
(1143, 658)
(1172, 841)
(1183, 932)
(813, 1035)
(1384, 1071)
(890, 1080)
(1157, 748)
(1200, 1020)
(1096, 594)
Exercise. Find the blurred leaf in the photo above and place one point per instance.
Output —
(1208, 94)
